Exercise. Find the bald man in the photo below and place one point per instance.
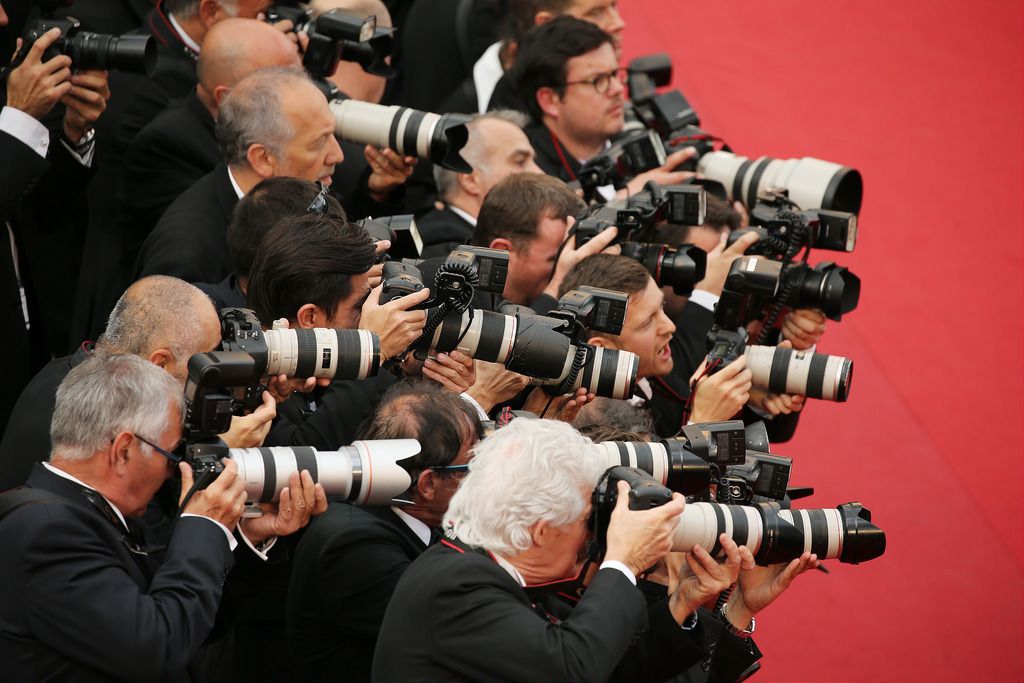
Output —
(160, 319)
(178, 147)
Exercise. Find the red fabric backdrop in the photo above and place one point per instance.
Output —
(925, 99)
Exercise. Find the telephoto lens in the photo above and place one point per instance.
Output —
(321, 352)
(122, 53)
(803, 373)
(812, 183)
(365, 473)
(668, 462)
(532, 346)
(438, 137)
(774, 535)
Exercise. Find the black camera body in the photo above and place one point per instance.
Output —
(760, 478)
(399, 279)
(219, 384)
(644, 493)
(625, 159)
(89, 50)
(593, 308)
(784, 231)
(337, 35)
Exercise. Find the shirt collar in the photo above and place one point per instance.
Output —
(234, 184)
(486, 73)
(507, 566)
(185, 38)
(421, 530)
(65, 475)
(463, 215)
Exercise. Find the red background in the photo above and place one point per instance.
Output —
(925, 99)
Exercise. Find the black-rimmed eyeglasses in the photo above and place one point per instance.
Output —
(450, 469)
(601, 82)
(173, 457)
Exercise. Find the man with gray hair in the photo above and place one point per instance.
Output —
(160, 319)
(497, 148)
(520, 522)
(274, 122)
(84, 599)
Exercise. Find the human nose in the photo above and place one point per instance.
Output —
(334, 153)
(667, 326)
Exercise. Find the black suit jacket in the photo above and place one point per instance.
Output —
(344, 573)
(457, 615)
(79, 605)
(166, 158)
(190, 239)
(43, 201)
(26, 440)
(442, 230)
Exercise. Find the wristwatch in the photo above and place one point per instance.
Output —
(82, 145)
(744, 633)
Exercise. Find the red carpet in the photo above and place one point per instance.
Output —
(926, 99)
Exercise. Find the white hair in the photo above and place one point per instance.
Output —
(109, 394)
(526, 472)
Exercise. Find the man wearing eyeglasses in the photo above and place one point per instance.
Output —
(568, 74)
(349, 562)
(84, 597)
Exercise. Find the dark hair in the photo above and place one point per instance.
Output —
(519, 15)
(423, 410)
(599, 433)
(272, 200)
(601, 418)
(513, 208)
(309, 259)
(544, 53)
(610, 271)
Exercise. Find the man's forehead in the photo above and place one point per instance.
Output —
(601, 59)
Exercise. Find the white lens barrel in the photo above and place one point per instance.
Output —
(703, 523)
(802, 373)
(822, 529)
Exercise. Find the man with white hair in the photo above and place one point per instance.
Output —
(465, 609)
(83, 599)
(497, 148)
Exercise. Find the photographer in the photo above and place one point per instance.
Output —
(159, 319)
(529, 215)
(39, 238)
(272, 123)
(347, 565)
(519, 520)
(74, 566)
(314, 271)
(497, 148)
(568, 74)
(669, 355)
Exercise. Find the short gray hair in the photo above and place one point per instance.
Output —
(524, 473)
(155, 312)
(109, 394)
(253, 113)
(446, 180)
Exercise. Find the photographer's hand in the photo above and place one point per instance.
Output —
(639, 538)
(299, 501)
(663, 175)
(775, 404)
(393, 322)
(248, 431)
(222, 501)
(570, 255)
(388, 170)
(34, 87)
(708, 577)
(759, 586)
(495, 384)
(565, 407)
(720, 261)
(454, 371)
(723, 394)
(803, 327)
(85, 102)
